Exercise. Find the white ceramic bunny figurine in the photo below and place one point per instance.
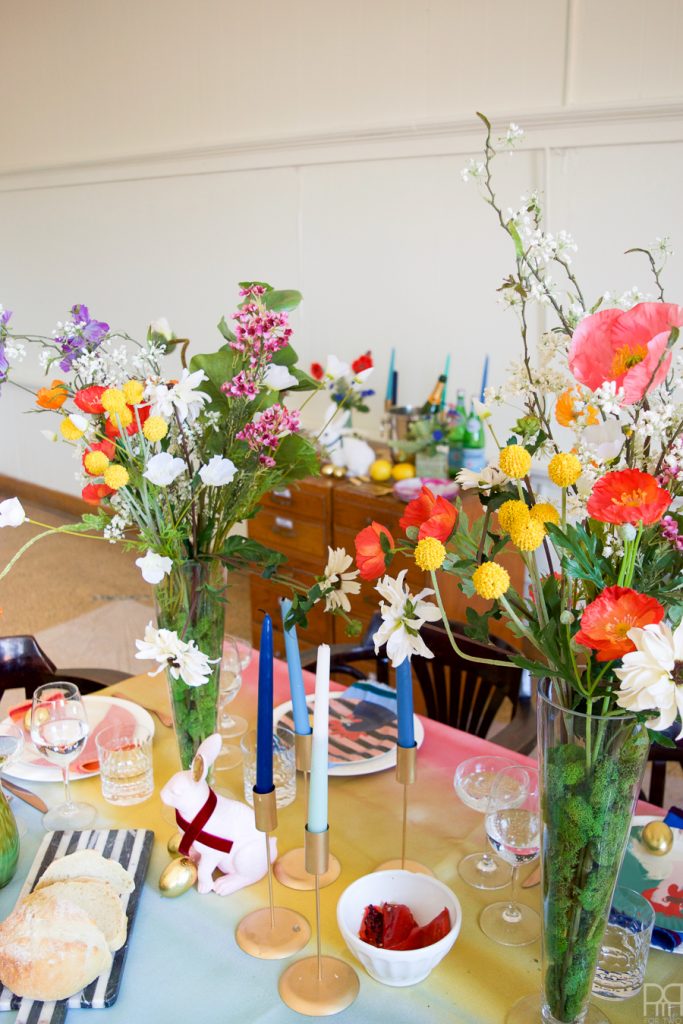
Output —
(223, 832)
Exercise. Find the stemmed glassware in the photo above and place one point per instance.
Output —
(59, 730)
(513, 827)
(236, 657)
(472, 782)
(11, 746)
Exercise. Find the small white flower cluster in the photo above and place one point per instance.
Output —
(608, 398)
(473, 170)
(513, 136)
(654, 424)
(545, 379)
(14, 350)
(631, 297)
(661, 247)
(146, 362)
(543, 246)
(212, 419)
(115, 528)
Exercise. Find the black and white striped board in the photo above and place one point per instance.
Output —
(132, 848)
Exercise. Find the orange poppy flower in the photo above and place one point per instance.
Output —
(567, 414)
(434, 517)
(93, 493)
(370, 556)
(90, 399)
(606, 621)
(53, 397)
(628, 496)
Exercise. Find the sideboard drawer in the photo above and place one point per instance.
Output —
(310, 499)
(299, 538)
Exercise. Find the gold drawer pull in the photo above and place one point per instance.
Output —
(283, 525)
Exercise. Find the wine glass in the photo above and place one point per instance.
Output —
(59, 729)
(472, 782)
(513, 827)
(11, 746)
(236, 657)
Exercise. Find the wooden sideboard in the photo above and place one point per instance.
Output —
(303, 520)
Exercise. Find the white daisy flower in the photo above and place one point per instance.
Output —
(339, 582)
(651, 677)
(403, 615)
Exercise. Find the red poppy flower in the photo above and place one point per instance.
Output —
(434, 517)
(90, 399)
(111, 429)
(93, 493)
(628, 496)
(317, 371)
(363, 362)
(606, 621)
(370, 557)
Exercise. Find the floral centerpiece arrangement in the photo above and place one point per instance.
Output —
(601, 627)
(173, 461)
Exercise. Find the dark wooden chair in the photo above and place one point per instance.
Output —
(24, 664)
(659, 757)
(464, 694)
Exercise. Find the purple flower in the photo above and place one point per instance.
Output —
(81, 333)
(5, 315)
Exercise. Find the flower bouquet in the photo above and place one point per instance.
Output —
(601, 425)
(172, 462)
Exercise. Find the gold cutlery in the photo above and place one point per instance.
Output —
(163, 716)
(25, 794)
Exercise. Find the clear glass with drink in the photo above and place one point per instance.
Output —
(284, 766)
(513, 828)
(625, 946)
(125, 756)
(59, 730)
(472, 782)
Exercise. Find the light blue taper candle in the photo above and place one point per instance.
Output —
(484, 380)
(390, 377)
(446, 371)
(404, 700)
(302, 724)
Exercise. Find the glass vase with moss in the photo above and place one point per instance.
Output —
(191, 601)
(591, 769)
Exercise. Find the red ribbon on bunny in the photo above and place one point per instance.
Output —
(194, 830)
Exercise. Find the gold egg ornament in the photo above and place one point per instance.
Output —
(339, 472)
(173, 845)
(177, 877)
(327, 469)
(657, 838)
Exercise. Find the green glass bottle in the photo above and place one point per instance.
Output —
(9, 842)
(456, 436)
(474, 445)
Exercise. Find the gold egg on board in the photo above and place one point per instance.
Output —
(327, 469)
(173, 845)
(177, 877)
(657, 838)
(339, 472)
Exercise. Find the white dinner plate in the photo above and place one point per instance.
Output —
(96, 709)
(366, 767)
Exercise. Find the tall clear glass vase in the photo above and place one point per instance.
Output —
(191, 601)
(591, 770)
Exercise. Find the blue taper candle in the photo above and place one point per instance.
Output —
(302, 724)
(264, 721)
(446, 371)
(404, 700)
(390, 377)
(484, 379)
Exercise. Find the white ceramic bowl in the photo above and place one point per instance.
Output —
(425, 896)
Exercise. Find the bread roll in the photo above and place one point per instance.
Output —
(99, 900)
(50, 949)
(90, 864)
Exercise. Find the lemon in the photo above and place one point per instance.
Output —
(403, 471)
(380, 470)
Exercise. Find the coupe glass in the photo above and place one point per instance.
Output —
(236, 657)
(513, 827)
(59, 730)
(11, 746)
(473, 781)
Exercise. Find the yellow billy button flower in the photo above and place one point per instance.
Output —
(113, 400)
(529, 536)
(155, 428)
(96, 463)
(491, 580)
(72, 427)
(116, 476)
(515, 461)
(564, 469)
(123, 416)
(133, 391)
(429, 554)
(544, 513)
(512, 514)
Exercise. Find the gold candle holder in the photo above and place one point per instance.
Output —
(318, 986)
(290, 868)
(271, 933)
(406, 773)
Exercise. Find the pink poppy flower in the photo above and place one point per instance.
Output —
(625, 347)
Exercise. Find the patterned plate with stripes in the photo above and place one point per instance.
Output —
(132, 848)
(359, 729)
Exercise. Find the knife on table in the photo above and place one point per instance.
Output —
(26, 795)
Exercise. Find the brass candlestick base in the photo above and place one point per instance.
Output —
(290, 871)
(406, 773)
(303, 989)
(318, 986)
(271, 933)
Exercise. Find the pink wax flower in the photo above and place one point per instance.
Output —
(266, 430)
(625, 347)
(240, 387)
